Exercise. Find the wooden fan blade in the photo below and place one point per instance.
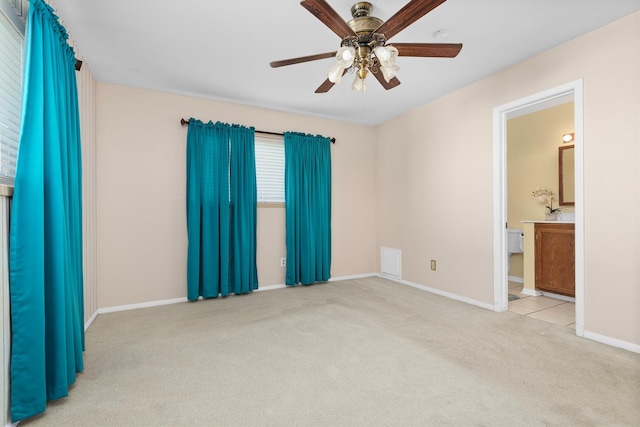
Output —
(325, 13)
(282, 63)
(436, 50)
(406, 16)
(327, 85)
(387, 85)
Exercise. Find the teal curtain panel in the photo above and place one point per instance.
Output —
(308, 208)
(221, 210)
(243, 210)
(47, 314)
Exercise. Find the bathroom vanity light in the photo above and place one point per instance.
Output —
(567, 137)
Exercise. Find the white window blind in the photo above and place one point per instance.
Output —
(270, 169)
(11, 42)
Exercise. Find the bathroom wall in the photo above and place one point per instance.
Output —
(532, 161)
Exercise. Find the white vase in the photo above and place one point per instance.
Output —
(551, 217)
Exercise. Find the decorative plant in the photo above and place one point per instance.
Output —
(546, 196)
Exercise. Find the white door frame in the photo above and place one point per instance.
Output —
(500, 117)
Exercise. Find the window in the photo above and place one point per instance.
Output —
(11, 42)
(270, 168)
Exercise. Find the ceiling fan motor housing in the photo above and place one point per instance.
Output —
(362, 8)
(363, 24)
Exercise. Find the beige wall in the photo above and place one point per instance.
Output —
(532, 161)
(434, 168)
(141, 193)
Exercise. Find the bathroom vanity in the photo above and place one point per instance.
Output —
(549, 257)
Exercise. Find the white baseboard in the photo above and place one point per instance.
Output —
(441, 293)
(558, 296)
(90, 321)
(354, 276)
(614, 342)
(270, 288)
(531, 292)
(140, 305)
(535, 293)
(516, 279)
(333, 279)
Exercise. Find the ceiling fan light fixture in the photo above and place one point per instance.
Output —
(335, 73)
(359, 85)
(389, 71)
(344, 59)
(382, 53)
(387, 55)
(345, 56)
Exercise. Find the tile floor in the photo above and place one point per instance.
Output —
(550, 310)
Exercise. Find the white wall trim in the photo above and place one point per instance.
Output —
(90, 321)
(500, 116)
(516, 279)
(500, 256)
(333, 279)
(440, 292)
(558, 296)
(270, 288)
(141, 305)
(614, 342)
(531, 292)
(355, 276)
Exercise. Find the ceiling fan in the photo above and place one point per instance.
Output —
(364, 45)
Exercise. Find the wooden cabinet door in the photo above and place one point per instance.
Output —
(555, 258)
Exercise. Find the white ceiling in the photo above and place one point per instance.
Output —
(221, 49)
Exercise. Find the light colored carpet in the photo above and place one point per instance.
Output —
(366, 352)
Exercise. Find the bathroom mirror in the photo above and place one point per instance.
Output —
(567, 176)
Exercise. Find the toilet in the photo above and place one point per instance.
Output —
(515, 243)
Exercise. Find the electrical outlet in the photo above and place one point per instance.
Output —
(283, 262)
(433, 264)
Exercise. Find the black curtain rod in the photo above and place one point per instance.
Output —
(184, 122)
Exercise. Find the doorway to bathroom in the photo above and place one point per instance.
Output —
(568, 96)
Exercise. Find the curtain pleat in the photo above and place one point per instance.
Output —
(221, 210)
(46, 279)
(308, 208)
(244, 198)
